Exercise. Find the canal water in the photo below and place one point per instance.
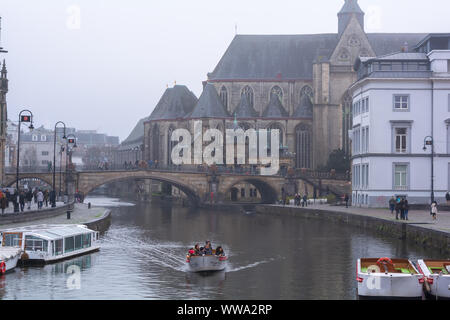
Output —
(142, 256)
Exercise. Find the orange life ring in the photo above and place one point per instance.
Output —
(385, 261)
(2, 267)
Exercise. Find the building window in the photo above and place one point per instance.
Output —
(249, 93)
(401, 140)
(303, 146)
(276, 91)
(45, 153)
(43, 138)
(224, 96)
(34, 137)
(401, 102)
(401, 176)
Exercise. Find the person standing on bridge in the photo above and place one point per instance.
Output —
(40, 199)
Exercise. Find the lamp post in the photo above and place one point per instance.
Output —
(22, 118)
(71, 139)
(60, 169)
(54, 159)
(428, 141)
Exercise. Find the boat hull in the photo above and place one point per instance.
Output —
(42, 258)
(389, 285)
(207, 263)
(440, 286)
(10, 256)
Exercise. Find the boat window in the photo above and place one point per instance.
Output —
(12, 240)
(69, 244)
(33, 243)
(86, 240)
(78, 240)
(58, 247)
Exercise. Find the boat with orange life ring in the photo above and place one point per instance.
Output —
(385, 278)
(205, 263)
(9, 256)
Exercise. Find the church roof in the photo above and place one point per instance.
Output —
(136, 135)
(285, 57)
(350, 6)
(244, 110)
(209, 105)
(175, 103)
(275, 109)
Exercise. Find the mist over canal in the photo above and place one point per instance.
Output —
(142, 256)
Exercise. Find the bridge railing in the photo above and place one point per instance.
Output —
(28, 169)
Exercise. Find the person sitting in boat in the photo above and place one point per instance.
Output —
(220, 252)
(197, 249)
(208, 249)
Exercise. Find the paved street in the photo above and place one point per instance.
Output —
(421, 217)
(34, 207)
(80, 215)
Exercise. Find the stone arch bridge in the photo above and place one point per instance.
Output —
(196, 185)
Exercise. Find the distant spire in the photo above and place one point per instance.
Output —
(349, 9)
(235, 29)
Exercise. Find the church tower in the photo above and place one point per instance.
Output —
(349, 9)
(3, 114)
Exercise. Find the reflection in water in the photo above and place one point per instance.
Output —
(142, 256)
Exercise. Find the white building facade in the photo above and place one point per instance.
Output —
(401, 111)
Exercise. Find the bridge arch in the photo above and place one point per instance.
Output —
(88, 186)
(269, 191)
(12, 183)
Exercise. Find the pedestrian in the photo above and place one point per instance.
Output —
(3, 203)
(15, 201)
(397, 208)
(52, 197)
(29, 197)
(447, 197)
(406, 208)
(434, 210)
(22, 200)
(8, 197)
(46, 195)
(392, 205)
(402, 209)
(305, 200)
(35, 195)
(40, 199)
(346, 198)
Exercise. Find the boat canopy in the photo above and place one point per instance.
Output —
(51, 232)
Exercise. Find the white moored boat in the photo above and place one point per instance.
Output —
(50, 243)
(9, 256)
(437, 274)
(206, 263)
(386, 278)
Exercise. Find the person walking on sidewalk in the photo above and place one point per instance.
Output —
(29, 197)
(46, 196)
(392, 205)
(346, 198)
(3, 203)
(40, 199)
(434, 210)
(397, 208)
(22, 200)
(406, 208)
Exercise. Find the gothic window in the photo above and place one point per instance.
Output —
(277, 91)
(303, 146)
(344, 55)
(224, 96)
(249, 93)
(354, 41)
(347, 121)
(274, 126)
(155, 143)
(170, 145)
(307, 90)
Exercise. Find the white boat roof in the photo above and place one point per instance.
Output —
(51, 232)
(9, 252)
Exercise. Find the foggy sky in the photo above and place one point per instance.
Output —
(108, 69)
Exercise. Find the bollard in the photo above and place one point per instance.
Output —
(89, 205)
(68, 214)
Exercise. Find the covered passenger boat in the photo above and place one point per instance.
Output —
(9, 256)
(50, 243)
(385, 278)
(437, 274)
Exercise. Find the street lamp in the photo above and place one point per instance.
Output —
(428, 141)
(71, 139)
(22, 118)
(60, 169)
(54, 159)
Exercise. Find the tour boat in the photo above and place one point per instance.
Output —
(386, 278)
(50, 243)
(9, 256)
(437, 274)
(206, 263)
